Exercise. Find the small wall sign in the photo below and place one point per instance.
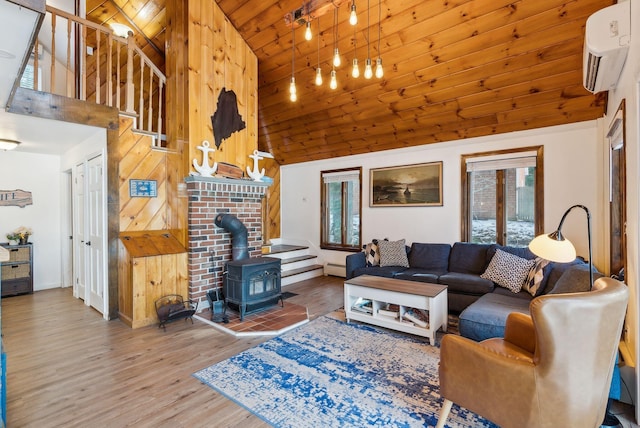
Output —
(143, 188)
(16, 197)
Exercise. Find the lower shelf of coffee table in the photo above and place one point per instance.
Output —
(435, 305)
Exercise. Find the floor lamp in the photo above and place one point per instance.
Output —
(557, 248)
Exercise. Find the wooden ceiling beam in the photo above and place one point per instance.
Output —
(311, 10)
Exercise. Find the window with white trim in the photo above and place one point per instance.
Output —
(341, 205)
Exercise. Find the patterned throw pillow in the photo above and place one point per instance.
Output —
(508, 270)
(372, 253)
(393, 253)
(535, 276)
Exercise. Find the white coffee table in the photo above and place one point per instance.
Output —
(380, 291)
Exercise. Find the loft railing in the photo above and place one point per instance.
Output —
(77, 58)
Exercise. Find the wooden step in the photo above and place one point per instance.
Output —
(297, 259)
(283, 248)
(298, 271)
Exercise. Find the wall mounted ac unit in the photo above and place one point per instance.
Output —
(606, 43)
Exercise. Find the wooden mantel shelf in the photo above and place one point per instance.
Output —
(235, 181)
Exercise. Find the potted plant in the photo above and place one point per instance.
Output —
(12, 238)
(19, 235)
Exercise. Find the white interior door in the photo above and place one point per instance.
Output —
(67, 231)
(79, 270)
(96, 228)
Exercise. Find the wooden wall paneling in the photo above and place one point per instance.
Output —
(126, 138)
(157, 267)
(273, 224)
(217, 59)
(146, 213)
(139, 161)
(219, 76)
(177, 113)
(250, 72)
(195, 80)
(134, 155)
(144, 270)
(233, 80)
(176, 196)
(125, 269)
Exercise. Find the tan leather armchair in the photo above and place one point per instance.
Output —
(552, 369)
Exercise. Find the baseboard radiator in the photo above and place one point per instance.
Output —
(334, 269)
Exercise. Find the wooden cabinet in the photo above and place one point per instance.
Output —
(17, 272)
(152, 264)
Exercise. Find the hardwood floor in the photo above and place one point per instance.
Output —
(67, 367)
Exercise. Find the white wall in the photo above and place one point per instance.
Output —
(573, 171)
(40, 175)
(628, 88)
(45, 177)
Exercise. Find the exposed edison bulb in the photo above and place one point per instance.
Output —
(353, 17)
(379, 70)
(333, 83)
(355, 71)
(318, 76)
(293, 96)
(336, 58)
(368, 72)
(307, 33)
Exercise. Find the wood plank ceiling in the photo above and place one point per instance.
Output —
(453, 69)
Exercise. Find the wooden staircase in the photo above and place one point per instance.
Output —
(297, 262)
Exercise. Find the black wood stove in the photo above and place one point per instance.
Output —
(252, 284)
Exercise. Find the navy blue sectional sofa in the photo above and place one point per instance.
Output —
(481, 304)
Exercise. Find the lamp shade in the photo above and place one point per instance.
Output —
(550, 248)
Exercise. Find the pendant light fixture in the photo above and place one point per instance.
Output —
(293, 96)
(333, 83)
(318, 70)
(368, 72)
(355, 71)
(353, 16)
(379, 70)
(308, 35)
(336, 54)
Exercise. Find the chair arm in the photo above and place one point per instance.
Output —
(504, 377)
(520, 332)
(353, 262)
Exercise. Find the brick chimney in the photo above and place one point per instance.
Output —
(209, 246)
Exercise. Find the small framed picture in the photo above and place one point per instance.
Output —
(143, 188)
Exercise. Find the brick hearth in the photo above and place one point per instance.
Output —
(209, 246)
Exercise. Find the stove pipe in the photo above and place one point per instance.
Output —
(239, 239)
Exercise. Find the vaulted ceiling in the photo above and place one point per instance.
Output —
(452, 69)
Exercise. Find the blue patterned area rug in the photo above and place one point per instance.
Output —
(328, 373)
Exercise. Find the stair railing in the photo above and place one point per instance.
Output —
(95, 65)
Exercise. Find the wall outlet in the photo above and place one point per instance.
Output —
(89, 50)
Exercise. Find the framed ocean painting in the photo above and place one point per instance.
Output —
(417, 185)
